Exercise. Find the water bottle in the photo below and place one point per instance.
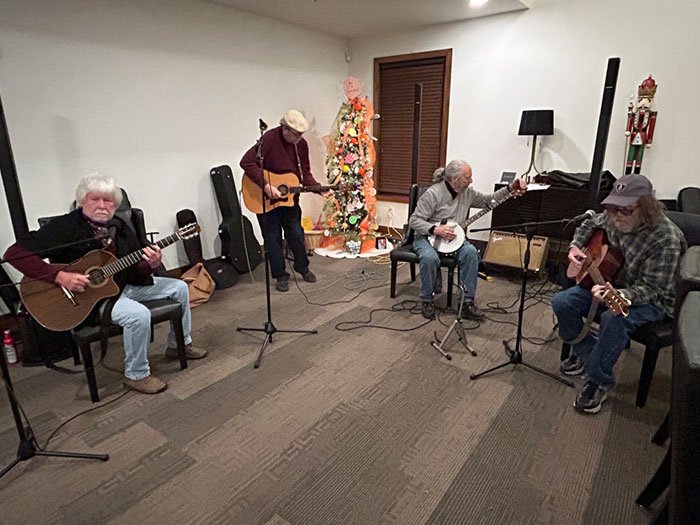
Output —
(8, 344)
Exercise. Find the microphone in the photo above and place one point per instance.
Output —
(262, 124)
(588, 214)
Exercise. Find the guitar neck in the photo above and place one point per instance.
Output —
(124, 262)
(494, 203)
(304, 189)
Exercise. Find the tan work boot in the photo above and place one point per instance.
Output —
(191, 352)
(148, 385)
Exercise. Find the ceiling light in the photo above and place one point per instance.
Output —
(477, 3)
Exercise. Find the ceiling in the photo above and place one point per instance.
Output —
(359, 18)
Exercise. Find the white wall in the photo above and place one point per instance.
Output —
(554, 56)
(153, 93)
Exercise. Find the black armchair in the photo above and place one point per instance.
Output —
(161, 310)
(404, 252)
(689, 200)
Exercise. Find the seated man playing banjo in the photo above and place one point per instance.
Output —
(93, 221)
(450, 198)
(651, 245)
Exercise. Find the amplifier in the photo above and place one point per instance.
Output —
(508, 249)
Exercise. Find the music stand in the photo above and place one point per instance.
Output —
(456, 327)
(269, 328)
(516, 354)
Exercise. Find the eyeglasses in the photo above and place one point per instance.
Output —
(620, 210)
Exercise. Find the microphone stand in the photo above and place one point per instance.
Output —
(269, 328)
(516, 354)
(28, 446)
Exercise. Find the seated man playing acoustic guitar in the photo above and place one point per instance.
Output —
(651, 245)
(450, 198)
(93, 221)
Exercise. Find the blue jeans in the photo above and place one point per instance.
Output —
(287, 218)
(599, 354)
(135, 318)
(429, 262)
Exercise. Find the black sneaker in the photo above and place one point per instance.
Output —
(309, 277)
(428, 310)
(470, 311)
(573, 366)
(282, 285)
(591, 398)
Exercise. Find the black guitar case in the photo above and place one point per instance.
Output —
(238, 243)
(223, 273)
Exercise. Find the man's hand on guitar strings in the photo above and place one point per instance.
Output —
(576, 256)
(75, 282)
(272, 192)
(444, 231)
(152, 255)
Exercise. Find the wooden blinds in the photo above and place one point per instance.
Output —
(397, 95)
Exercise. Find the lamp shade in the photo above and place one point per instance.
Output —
(537, 122)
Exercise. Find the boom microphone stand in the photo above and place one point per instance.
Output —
(269, 327)
(516, 354)
(28, 446)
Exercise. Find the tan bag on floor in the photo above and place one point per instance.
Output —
(200, 284)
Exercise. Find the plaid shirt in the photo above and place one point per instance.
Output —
(651, 258)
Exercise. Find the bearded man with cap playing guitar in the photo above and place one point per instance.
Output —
(634, 224)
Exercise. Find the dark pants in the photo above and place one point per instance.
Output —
(272, 224)
(601, 353)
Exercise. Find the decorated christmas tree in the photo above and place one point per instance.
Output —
(350, 211)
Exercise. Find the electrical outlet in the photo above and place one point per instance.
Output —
(389, 216)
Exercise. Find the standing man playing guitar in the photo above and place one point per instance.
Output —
(651, 245)
(94, 222)
(450, 198)
(284, 150)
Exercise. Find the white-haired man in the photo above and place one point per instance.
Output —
(98, 198)
(450, 199)
(284, 150)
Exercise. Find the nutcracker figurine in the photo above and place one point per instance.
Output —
(640, 125)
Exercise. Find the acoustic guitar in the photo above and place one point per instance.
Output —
(58, 309)
(444, 246)
(601, 265)
(286, 183)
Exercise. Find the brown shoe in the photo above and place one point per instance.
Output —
(191, 352)
(148, 385)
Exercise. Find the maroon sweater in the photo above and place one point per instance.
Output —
(279, 157)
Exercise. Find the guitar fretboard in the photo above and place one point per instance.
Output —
(595, 274)
(302, 189)
(124, 262)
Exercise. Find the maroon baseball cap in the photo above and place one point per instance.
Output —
(627, 190)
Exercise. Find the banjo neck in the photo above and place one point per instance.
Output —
(495, 202)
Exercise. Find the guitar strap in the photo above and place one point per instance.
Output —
(301, 173)
(586, 324)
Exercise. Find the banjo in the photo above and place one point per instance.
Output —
(447, 247)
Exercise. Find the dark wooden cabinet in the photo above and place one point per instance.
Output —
(551, 204)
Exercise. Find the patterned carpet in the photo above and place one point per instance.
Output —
(363, 426)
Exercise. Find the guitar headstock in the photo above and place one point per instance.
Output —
(189, 231)
(618, 304)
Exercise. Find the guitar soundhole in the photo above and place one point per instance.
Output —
(97, 276)
(283, 189)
